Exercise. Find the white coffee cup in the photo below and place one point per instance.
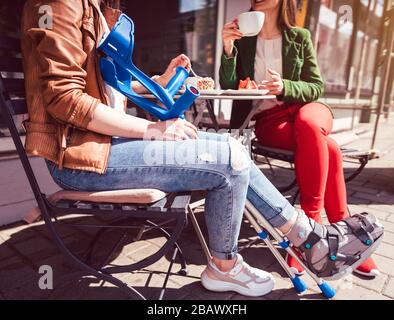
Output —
(250, 23)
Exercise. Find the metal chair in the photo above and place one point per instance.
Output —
(153, 208)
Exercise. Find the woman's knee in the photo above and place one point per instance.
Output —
(334, 152)
(313, 118)
(239, 158)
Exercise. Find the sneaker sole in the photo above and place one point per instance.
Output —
(219, 286)
(364, 256)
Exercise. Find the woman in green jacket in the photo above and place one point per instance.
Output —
(281, 59)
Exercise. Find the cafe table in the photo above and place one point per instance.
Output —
(209, 95)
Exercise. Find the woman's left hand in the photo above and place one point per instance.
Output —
(180, 61)
(275, 86)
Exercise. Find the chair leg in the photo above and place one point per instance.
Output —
(183, 270)
(164, 287)
(99, 274)
(199, 233)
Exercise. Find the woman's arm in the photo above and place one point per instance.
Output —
(181, 60)
(228, 78)
(311, 85)
(110, 122)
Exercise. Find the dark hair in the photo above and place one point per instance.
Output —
(287, 14)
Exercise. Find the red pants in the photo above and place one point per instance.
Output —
(318, 160)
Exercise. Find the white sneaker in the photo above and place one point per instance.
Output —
(242, 279)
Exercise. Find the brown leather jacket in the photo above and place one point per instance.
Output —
(63, 82)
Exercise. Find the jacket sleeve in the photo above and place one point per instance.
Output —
(61, 61)
(228, 75)
(310, 87)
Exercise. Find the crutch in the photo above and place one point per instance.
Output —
(263, 229)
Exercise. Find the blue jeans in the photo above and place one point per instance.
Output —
(215, 163)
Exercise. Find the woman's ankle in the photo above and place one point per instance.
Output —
(224, 265)
(285, 229)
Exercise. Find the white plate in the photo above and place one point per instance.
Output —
(246, 92)
(211, 92)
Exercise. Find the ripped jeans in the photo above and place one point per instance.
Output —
(215, 163)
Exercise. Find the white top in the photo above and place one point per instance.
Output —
(268, 56)
(116, 99)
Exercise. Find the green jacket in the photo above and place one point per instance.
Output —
(302, 81)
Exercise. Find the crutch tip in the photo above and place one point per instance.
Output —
(327, 290)
(299, 284)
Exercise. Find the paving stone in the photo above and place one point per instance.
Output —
(14, 273)
(5, 251)
(389, 289)
(29, 291)
(361, 188)
(379, 213)
(307, 295)
(381, 207)
(373, 198)
(358, 293)
(36, 248)
(388, 226)
(390, 218)
(375, 284)
(386, 250)
(388, 237)
(385, 264)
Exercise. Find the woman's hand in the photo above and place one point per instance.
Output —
(275, 86)
(175, 129)
(230, 33)
(180, 61)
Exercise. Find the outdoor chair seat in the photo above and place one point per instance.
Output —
(144, 196)
(103, 199)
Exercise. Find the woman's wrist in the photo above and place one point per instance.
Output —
(161, 80)
(228, 51)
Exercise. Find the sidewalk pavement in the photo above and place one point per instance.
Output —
(25, 248)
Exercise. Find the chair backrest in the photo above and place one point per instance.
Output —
(13, 102)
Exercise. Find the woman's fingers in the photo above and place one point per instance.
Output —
(231, 25)
(276, 78)
(273, 72)
(233, 34)
(190, 125)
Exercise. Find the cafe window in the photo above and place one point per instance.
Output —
(164, 29)
(370, 33)
(333, 45)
